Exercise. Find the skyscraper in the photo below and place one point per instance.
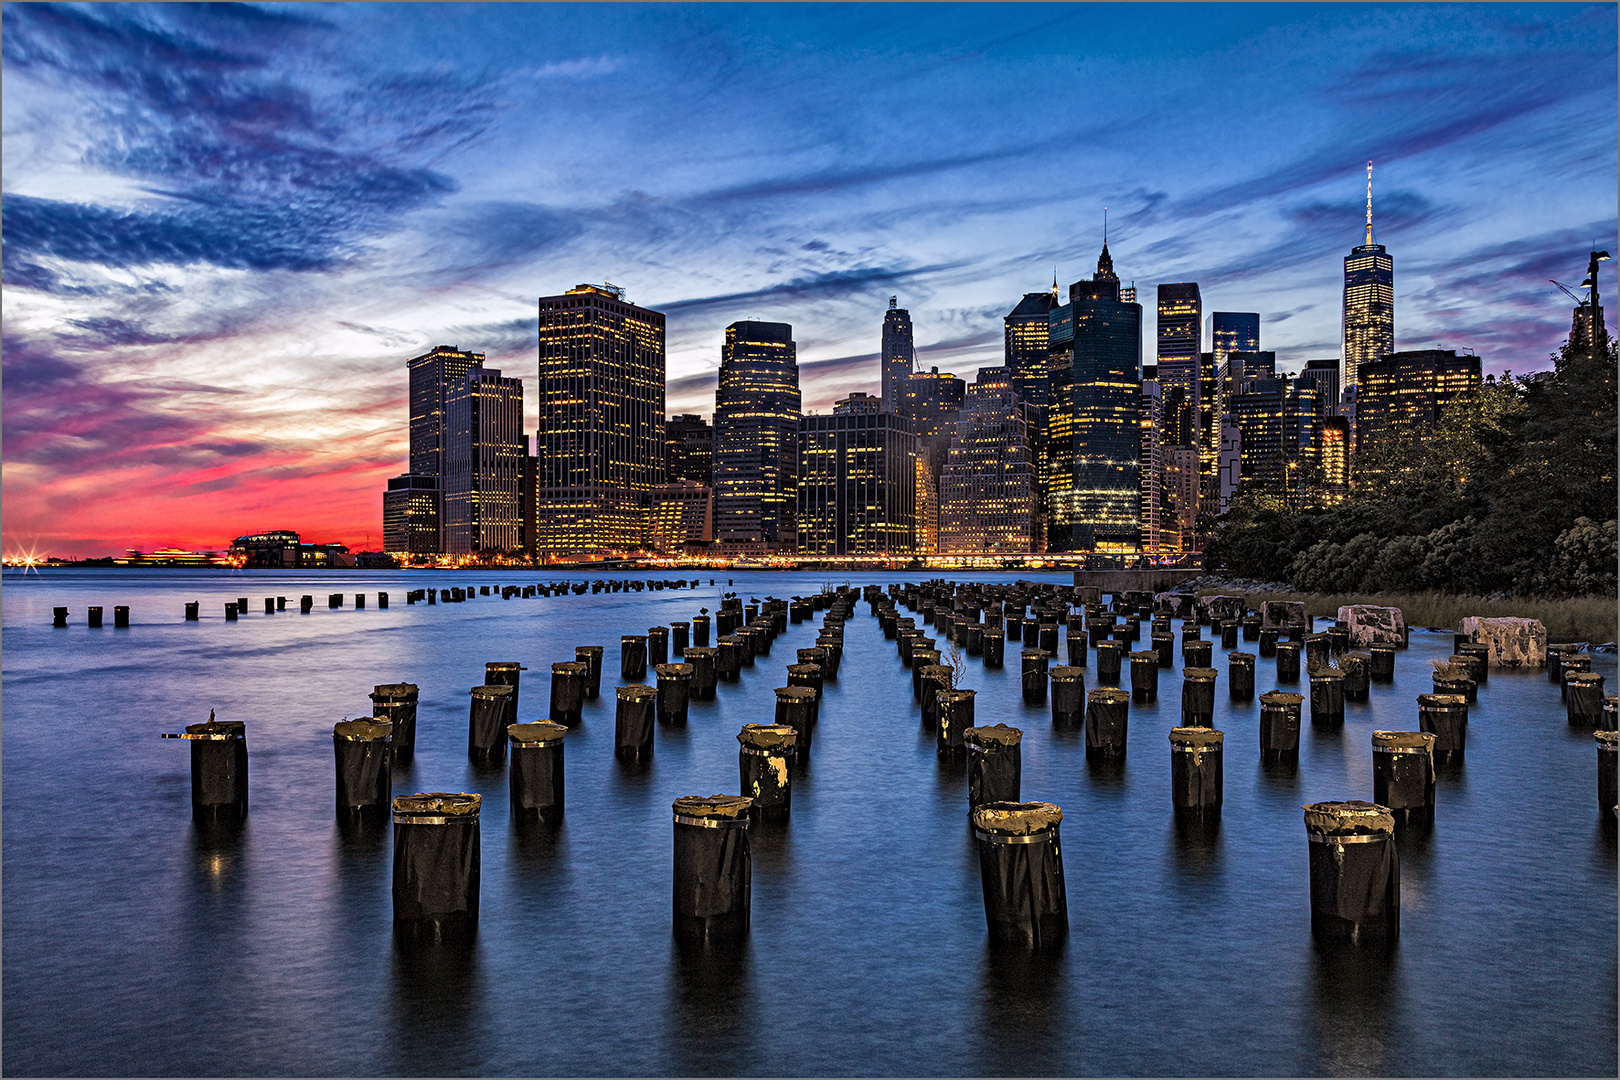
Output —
(987, 489)
(1369, 301)
(1325, 373)
(1233, 331)
(1180, 319)
(756, 424)
(898, 354)
(688, 450)
(1410, 390)
(856, 492)
(411, 515)
(600, 444)
(431, 376)
(485, 454)
(1094, 428)
(933, 399)
(1026, 344)
(1155, 537)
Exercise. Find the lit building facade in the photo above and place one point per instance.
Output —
(600, 443)
(688, 450)
(485, 455)
(987, 491)
(1410, 390)
(933, 401)
(1233, 331)
(682, 518)
(856, 493)
(411, 515)
(1325, 374)
(1155, 537)
(897, 355)
(431, 376)
(756, 424)
(1369, 302)
(1027, 344)
(1093, 418)
(1334, 456)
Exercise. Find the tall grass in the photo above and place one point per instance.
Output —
(1590, 618)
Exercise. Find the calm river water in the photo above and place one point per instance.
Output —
(133, 945)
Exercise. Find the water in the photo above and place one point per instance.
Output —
(134, 945)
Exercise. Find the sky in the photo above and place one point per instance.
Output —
(226, 227)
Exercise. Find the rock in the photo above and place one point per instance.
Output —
(1282, 614)
(1224, 608)
(1174, 604)
(1514, 642)
(1371, 625)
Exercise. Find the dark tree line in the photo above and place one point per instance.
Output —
(1513, 492)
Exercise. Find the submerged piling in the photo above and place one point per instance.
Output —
(674, 692)
(1403, 775)
(361, 752)
(1279, 727)
(1195, 773)
(591, 657)
(1021, 873)
(487, 720)
(1068, 697)
(954, 709)
(1144, 676)
(713, 868)
(1240, 676)
(219, 769)
(1107, 722)
(1198, 697)
(1108, 658)
(763, 758)
(995, 764)
(633, 656)
(396, 703)
(436, 864)
(633, 723)
(568, 679)
(536, 772)
(1354, 873)
(796, 708)
(1445, 716)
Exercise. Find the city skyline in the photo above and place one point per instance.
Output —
(227, 230)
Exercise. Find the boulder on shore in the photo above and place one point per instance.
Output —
(1370, 625)
(1224, 608)
(1283, 614)
(1177, 605)
(1514, 642)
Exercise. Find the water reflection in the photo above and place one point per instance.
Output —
(1106, 772)
(1279, 775)
(709, 1007)
(1351, 1003)
(1023, 1026)
(435, 994)
(217, 852)
(1196, 843)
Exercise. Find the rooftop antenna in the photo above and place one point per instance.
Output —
(1369, 204)
(1054, 281)
(1105, 226)
(893, 300)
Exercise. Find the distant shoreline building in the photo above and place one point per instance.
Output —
(1094, 427)
(599, 447)
(1369, 302)
(855, 484)
(897, 356)
(987, 491)
(756, 424)
(485, 456)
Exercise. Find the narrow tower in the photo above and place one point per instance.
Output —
(1369, 301)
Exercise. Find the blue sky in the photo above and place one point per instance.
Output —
(226, 227)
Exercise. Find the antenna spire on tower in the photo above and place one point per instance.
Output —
(1369, 204)
(1054, 279)
(1105, 226)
